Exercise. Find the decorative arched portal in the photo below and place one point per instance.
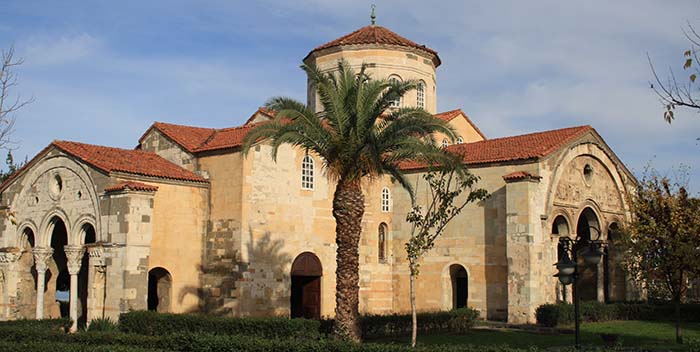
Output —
(460, 286)
(56, 304)
(305, 300)
(615, 282)
(160, 285)
(88, 234)
(587, 229)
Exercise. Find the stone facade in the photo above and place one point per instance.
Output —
(226, 241)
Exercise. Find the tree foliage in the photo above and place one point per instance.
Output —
(662, 241)
(358, 136)
(446, 200)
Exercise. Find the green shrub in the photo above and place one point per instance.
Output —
(563, 314)
(157, 324)
(43, 324)
(102, 324)
(375, 326)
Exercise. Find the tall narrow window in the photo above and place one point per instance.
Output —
(420, 95)
(381, 243)
(445, 143)
(396, 102)
(307, 172)
(386, 200)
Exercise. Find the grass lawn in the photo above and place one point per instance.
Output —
(653, 335)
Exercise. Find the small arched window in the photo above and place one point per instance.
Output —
(307, 172)
(386, 200)
(460, 140)
(445, 143)
(381, 243)
(420, 95)
(396, 102)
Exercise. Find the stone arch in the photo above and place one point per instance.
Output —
(86, 236)
(23, 227)
(589, 276)
(49, 165)
(561, 225)
(305, 297)
(57, 289)
(615, 276)
(48, 225)
(26, 272)
(450, 286)
(593, 150)
(160, 286)
(81, 227)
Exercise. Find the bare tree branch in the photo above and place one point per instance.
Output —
(8, 105)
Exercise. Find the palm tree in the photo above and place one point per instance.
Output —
(358, 136)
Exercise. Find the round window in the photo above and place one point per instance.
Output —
(55, 186)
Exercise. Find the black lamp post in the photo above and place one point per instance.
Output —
(568, 269)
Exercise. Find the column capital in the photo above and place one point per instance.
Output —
(10, 254)
(74, 254)
(41, 258)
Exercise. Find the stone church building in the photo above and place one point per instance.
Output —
(186, 223)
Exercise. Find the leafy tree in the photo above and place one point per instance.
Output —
(444, 189)
(11, 166)
(662, 241)
(358, 137)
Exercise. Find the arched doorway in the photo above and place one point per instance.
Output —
(587, 229)
(159, 290)
(460, 286)
(305, 300)
(615, 282)
(88, 233)
(57, 275)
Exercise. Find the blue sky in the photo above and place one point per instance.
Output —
(102, 71)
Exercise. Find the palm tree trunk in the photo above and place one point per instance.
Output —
(348, 208)
(414, 317)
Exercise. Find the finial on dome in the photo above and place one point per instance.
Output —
(373, 17)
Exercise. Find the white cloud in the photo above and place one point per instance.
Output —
(57, 50)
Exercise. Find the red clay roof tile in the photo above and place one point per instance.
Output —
(523, 147)
(520, 175)
(131, 185)
(377, 35)
(135, 162)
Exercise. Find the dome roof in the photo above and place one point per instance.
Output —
(374, 34)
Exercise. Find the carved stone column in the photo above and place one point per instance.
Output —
(74, 254)
(41, 261)
(8, 259)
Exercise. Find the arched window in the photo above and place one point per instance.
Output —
(396, 102)
(386, 200)
(307, 172)
(420, 95)
(460, 140)
(445, 143)
(381, 243)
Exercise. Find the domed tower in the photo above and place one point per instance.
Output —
(388, 55)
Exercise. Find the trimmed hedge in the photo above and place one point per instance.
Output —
(456, 321)
(157, 324)
(560, 314)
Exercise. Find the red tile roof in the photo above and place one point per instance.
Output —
(131, 185)
(197, 139)
(263, 111)
(520, 175)
(135, 162)
(374, 34)
(450, 115)
(524, 147)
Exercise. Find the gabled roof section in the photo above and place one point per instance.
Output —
(262, 114)
(136, 162)
(530, 146)
(188, 137)
(131, 186)
(374, 34)
(452, 114)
